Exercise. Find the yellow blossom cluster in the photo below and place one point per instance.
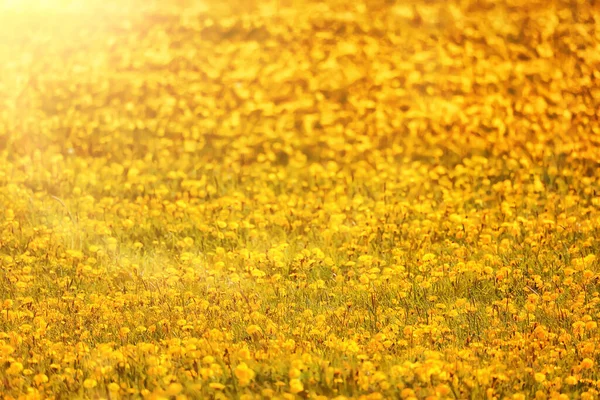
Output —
(299, 199)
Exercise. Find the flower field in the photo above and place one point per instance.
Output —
(300, 199)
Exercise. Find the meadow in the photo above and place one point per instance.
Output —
(299, 199)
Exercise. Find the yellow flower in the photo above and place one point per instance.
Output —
(571, 380)
(208, 359)
(222, 224)
(216, 386)
(443, 390)
(15, 368)
(591, 325)
(294, 373)
(76, 254)
(244, 374)
(114, 387)
(90, 383)
(40, 379)
(252, 329)
(587, 363)
(296, 386)
(244, 353)
(174, 389)
(429, 257)
(578, 327)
